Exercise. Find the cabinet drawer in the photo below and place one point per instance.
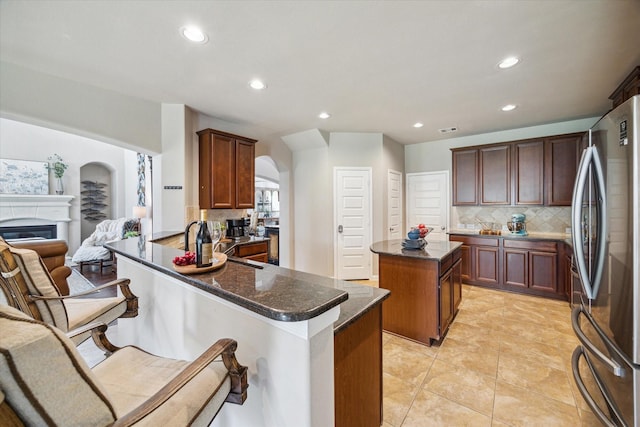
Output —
(446, 263)
(476, 241)
(531, 245)
(449, 260)
(258, 257)
(251, 249)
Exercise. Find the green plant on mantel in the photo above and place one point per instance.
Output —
(57, 165)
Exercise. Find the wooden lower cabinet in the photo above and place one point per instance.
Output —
(480, 261)
(358, 372)
(519, 265)
(487, 265)
(258, 251)
(425, 295)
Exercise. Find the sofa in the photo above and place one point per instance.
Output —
(52, 252)
(92, 250)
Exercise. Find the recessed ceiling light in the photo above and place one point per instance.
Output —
(324, 115)
(509, 107)
(418, 125)
(257, 84)
(508, 62)
(194, 34)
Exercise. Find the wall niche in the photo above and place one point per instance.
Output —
(95, 197)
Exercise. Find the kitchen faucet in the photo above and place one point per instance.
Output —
(186, 235)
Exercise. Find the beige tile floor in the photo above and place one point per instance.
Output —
(506, 361)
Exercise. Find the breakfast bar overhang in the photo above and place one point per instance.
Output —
(284, 322)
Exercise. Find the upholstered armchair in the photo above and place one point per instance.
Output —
(45, 381)
(92, 250)
(27, 286)
(53, 253)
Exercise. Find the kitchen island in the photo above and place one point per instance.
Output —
(425, 285)
(289, 327)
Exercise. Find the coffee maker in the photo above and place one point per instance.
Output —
(235, 228)
(517, 224)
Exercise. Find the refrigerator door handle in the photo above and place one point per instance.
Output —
(576, 221)
(601, 243)
(613, 409)
(612, 365)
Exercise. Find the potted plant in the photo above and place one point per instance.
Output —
(58, 166)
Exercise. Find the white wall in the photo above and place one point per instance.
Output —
(80, 109)
(313, 207)
(24, 141)
(313, 192)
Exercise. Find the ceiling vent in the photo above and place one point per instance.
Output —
(448, 130)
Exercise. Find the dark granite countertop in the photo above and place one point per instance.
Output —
(433, 251)
(558, 237)
(274, 292)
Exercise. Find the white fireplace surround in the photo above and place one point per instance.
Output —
(30, 209)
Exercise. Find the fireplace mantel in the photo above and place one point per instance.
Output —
(35, 209)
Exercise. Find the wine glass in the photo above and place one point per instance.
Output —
(215, 230)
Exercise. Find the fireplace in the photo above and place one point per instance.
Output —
(35, 216)
(29, 232)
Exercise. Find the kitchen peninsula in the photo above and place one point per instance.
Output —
(295, 332)
(425, 285)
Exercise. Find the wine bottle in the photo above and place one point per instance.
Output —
(204, 243)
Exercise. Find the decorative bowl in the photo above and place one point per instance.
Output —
(414, 234)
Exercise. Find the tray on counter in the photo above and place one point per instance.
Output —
(221, 259)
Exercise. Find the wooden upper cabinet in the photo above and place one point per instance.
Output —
(538, 171)
(528, 173)
(465, 177)
(628, 88)
(495, 175)
(226, 170)
(562, 154)
(245, 174)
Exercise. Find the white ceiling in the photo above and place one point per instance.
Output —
(375, 66)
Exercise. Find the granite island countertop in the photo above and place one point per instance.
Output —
(274, 292)
(433, 251)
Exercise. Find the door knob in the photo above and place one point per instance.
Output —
(442, 227)
(340, 229)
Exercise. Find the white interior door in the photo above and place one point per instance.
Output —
(394, 204)
(352, 221)
(428, 202)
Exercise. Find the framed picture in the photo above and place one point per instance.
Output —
(23, 177)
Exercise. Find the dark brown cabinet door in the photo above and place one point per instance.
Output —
(245, 175)
(562, 157)
(516, 264)
(486, 265)
(465, 177)
(446, 301)
(216, 163)
(528, 173)
(543, 271)
(465, 264)
(495, 175)
(456, 283)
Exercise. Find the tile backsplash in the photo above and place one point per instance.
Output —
(540, 219)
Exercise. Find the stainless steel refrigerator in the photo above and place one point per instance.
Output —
(606, 244)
